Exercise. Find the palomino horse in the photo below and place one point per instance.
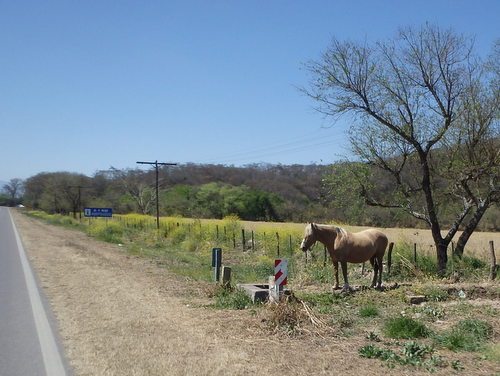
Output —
(347, 247)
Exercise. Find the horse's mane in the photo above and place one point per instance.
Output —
(340, 230)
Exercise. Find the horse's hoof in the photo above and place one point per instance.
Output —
(347, 289)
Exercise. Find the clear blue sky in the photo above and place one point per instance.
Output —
(85, 85)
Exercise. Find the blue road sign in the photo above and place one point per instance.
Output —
(98, 212)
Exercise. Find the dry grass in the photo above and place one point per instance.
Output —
(121, 315)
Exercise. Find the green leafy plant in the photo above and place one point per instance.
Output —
(227, 298)
(412, 354)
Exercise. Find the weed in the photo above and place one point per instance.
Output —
(434, 294)
(433, 312)
(368, 311)
(226, 298)
(372, 336)
(111, 232)
(405, 327)
(466, 335)
(412, 354)
(457, 366)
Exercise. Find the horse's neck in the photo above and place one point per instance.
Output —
(327, 236)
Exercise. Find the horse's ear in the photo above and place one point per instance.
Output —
(313, 226)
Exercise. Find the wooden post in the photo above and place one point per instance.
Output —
(217, 232)
(253, 242)
(243, 240)
(493, 266)
(389, 257)
(226, 276)
(278, 242)
(234, 240)
(415, 253)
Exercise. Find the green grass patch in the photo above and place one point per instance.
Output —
(405, 328)
(368, 311)
(466, 335)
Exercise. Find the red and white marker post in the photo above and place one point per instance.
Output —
(280, 275)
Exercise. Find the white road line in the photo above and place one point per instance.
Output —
(50, 352)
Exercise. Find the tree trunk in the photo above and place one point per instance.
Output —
(471, 226)
(440, 243)
(442, 257)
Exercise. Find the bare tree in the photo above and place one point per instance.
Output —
(135, 184)
(417, 101)
(14, 187)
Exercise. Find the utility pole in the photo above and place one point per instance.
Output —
(79, 199)
(156, 164)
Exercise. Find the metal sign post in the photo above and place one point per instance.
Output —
(217, 262)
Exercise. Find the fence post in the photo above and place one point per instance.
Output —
(243, 240)
(389, 257)
(253, 242)
(278, 241)
(217, 232)
(493, 266)
(415, 253)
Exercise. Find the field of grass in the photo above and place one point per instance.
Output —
(251, 247)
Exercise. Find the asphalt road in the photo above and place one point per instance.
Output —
(29, 344)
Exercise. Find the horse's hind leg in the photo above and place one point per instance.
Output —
(374, 261)
(346, 287)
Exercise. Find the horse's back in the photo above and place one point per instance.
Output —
(371, 238)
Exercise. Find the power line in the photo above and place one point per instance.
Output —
(279, 148)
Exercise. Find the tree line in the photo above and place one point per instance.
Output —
(296, 193)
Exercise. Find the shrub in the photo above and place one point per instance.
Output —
(405, 327)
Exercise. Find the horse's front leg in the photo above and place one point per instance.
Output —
(346, 287)
(336, 272)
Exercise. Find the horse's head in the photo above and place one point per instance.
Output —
(309, 237)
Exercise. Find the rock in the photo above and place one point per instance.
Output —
(416, 299)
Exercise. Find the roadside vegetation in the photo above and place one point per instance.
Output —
(429, 336)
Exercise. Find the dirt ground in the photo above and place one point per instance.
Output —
(121, 315)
